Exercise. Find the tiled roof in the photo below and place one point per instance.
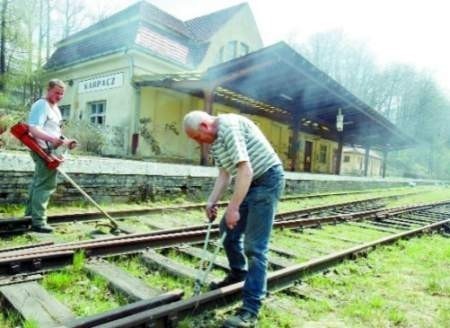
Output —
(146, 27)
(108, 42)
(204, 27)
(142, 10)
(175, 49)
(153, 14)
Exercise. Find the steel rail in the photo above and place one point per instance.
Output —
(286, 219)
(126, 310)
(278, 217)
(191, 233)
(42, 258)
(9, 226)
(168, 315)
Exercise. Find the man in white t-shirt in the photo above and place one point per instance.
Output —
(45, 122)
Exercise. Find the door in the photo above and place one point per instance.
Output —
(334, 162)
(308, 156)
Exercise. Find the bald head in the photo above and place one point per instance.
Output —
(200, 126)
(193, 119)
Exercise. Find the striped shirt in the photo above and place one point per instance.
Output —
(240, 140)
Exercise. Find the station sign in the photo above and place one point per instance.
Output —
(101, 83)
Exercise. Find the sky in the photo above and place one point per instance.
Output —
(413, 32)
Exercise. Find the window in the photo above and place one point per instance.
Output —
(323, 154)
(65, 112)
(231, 50)
(244, 49)
(97, 111)
(346, 158)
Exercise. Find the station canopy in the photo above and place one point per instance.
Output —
(278, 83)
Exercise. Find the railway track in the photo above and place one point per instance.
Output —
(21, 267)
(196, 233)
(13, 226)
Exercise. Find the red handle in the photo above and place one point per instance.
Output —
(22, 132)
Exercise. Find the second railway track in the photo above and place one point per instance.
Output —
(11, 226)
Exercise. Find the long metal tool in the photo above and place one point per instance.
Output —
(113, 223)
(203, 275)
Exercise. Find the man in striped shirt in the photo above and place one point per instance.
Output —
(240, 150)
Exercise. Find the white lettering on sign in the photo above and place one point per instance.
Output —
(101, 83)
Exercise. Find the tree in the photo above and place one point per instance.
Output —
(4, 9)
(409, 98)
(71, 16)
(347, 61)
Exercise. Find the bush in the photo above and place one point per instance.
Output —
(8, 119)
(90, 138)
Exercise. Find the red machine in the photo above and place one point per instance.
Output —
(22, 132)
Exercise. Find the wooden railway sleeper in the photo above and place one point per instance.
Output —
(36, 264)
(436, 215)
(425, 216)
(403, 221)
(362, 253)
(15, 267)
(414, 218)
(388, 224)
(172, 320)
(446, 228)
(396, 221)
(429, 213)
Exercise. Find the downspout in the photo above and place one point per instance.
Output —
(366, 160)
(383, 170)
(134, 121)
(294, 147)
(339, 152)
(208, 97)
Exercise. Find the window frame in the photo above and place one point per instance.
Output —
(63, 108)
(323, 152)
(233, 49)
(97, 118)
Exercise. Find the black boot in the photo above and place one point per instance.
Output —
(43, 228)
(231, 278)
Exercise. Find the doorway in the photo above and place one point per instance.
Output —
(308, 156)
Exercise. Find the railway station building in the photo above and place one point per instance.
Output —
(135, 74)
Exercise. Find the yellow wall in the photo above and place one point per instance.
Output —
(356, 164)
(242, 28)
(167, 107)
(125, 106)
(119, 97)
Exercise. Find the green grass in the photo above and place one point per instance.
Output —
(12, 210)
(12, 319)
(17, 210)
(405, 285)
(83, 294)
(13, 241)
(158, 279)
(398, 286)
(290, 205)
(9, 318)
(430, 195)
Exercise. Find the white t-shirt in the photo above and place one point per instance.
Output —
(44, 116)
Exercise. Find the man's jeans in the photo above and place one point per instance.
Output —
(41, 188)
(257, 213)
